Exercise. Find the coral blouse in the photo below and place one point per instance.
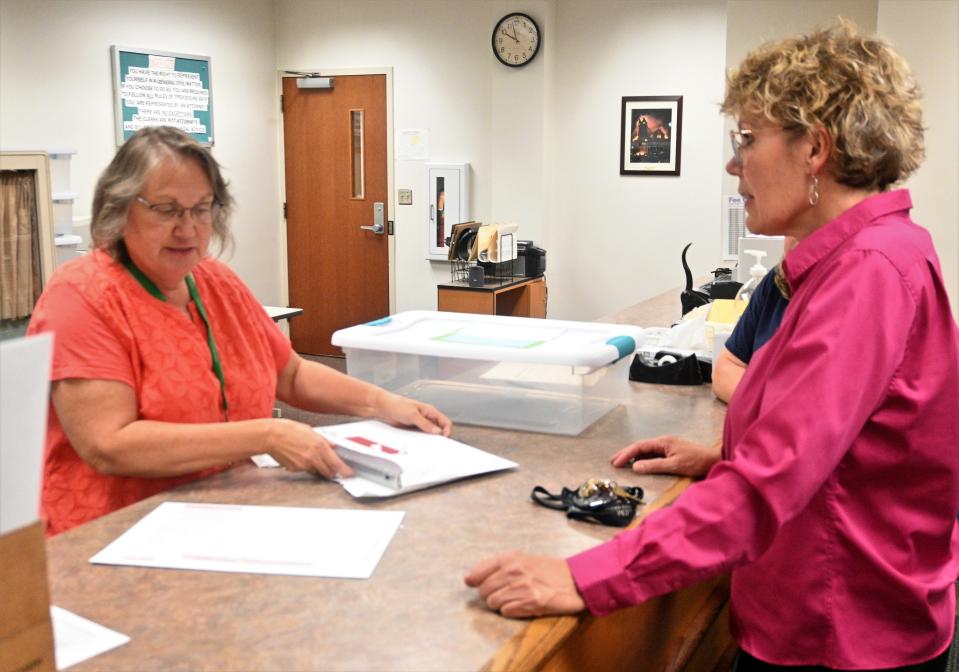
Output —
(108, 327)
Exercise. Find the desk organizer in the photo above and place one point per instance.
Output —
(550, 376)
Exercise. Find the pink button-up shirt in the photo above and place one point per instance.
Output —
(835, 505)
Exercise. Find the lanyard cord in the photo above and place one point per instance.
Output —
(154, 291)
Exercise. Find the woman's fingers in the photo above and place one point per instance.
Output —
(638, 449)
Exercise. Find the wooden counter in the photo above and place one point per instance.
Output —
(414, 613)
(519, 297)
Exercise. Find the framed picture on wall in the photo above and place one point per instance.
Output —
(651, 133)
(162, 88)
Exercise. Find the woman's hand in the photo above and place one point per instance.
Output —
(668, 455)
(299, 448)
(519, 585)
(405, 412)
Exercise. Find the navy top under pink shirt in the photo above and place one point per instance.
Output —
(759, 321)
(835, 504)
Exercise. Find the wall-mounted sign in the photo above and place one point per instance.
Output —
(161, 88)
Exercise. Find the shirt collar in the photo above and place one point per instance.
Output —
(820, 243)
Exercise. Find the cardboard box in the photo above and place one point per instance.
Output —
(26, 633)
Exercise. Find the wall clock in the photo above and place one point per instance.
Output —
(516, 39)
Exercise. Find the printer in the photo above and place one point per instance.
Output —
(530, 260)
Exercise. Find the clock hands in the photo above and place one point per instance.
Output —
(513, 36)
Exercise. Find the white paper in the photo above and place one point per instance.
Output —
(537, 375)
(413, 144)
(265, 461)
(499, 335)
(24, 399)
(343, 543)
(75, 638)
(425, 459)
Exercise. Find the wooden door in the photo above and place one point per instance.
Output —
(336, 172)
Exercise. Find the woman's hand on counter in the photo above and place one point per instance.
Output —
(668, 455)
(298, 447)
(520, 585)
(405, 412)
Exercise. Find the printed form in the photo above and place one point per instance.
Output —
(339, 543)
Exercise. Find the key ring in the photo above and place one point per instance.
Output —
(598, 500)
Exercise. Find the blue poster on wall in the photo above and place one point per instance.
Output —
(159, 88)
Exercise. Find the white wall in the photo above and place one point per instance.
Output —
(445, 80)
(926, 33)
(56, 91)
(616, 239)
(542, 140)
(752, 22)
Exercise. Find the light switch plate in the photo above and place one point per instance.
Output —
(405, 196)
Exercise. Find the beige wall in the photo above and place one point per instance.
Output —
(56, 91)
(445, 80)
(926, 32)
(542, 140)
(752, 22)
(616, 240)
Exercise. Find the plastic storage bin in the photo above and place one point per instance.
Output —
(520, 373)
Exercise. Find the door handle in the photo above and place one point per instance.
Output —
(377, 226)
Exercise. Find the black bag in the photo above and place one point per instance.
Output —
(597, 500)
(684, 370)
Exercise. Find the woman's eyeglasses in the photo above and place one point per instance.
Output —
(744, 138)
(202, 213)
(740, 139)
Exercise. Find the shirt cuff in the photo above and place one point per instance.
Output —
(601, 579)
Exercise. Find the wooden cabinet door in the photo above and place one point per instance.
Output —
(537, 297)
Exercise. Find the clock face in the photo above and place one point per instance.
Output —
(516, 39)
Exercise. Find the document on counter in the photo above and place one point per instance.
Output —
(389, 461)
(339, 543)
(75, 638)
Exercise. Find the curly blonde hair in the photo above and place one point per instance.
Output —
(857, 87)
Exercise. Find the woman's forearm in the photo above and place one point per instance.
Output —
(150, 449)
(321, 389)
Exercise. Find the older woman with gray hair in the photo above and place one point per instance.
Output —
(165, 367)
(835, 502)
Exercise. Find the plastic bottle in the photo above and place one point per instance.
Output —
(756, 273)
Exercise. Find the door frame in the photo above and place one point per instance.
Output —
(390, 176)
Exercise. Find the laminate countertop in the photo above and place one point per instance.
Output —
(415, 613)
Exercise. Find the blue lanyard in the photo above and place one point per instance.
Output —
(154, 291)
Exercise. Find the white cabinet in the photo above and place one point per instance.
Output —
(449, 204)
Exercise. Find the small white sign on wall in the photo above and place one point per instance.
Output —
(413, 144)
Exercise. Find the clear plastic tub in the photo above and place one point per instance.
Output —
(547, 376)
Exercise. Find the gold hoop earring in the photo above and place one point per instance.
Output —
(814, 191)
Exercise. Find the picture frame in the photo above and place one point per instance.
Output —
(651, 132)
(154, 88)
